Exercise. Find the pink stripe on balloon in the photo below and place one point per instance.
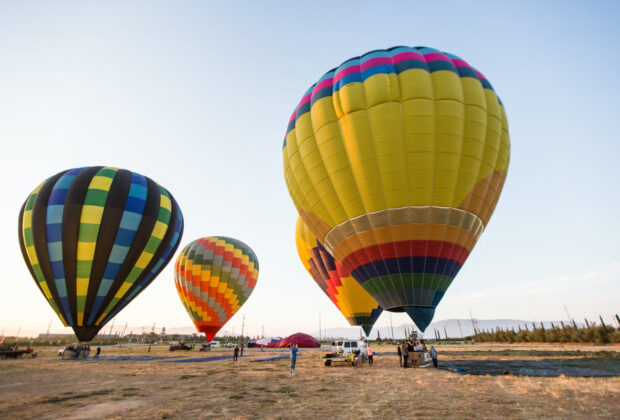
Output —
(325, 83)
(347, 71)
(292, 117)
(435, 57)
(408, 55)
(377, 61)
(480, 75)
(460, 63)
(304, 100)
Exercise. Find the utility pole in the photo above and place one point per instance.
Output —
(461, 329)
(242, 327)
(569, 317)
(263, 331)
(473, 324)
(124, 329)
(47, 335)
(111, 326)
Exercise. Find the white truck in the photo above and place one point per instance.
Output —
(345, 351)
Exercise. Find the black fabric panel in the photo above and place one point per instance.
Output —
(110, 221)
(71, 229)
(39, 235)
(86, 333)
(151, 211)
(174, 216)
(22, 245)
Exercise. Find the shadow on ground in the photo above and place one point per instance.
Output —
(538, 368)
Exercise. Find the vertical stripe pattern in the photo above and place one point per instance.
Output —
(93, 238)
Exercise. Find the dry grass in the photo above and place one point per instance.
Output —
(46, 387)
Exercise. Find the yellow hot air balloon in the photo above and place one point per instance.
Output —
(357, 306)
(395, 160)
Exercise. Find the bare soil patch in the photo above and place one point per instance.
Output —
(132, 383)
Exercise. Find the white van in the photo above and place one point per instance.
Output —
(349, 346)
(214, 344)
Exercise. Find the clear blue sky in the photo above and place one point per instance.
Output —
(197, 95)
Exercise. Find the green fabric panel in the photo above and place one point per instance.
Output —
(95, 197)
(107, 172)
(411, 281)
(88, 232)
(83, 269)
(152, 245)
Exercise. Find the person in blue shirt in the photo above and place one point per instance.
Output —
(294, 351)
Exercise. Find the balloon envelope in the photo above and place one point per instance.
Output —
(93, 238)
(395, 160)
(357, 306)
(214, 276)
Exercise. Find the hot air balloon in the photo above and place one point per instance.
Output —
(395, 160)
(214, 276)
(357, 306)
(93, 238)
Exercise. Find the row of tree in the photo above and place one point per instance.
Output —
(591, 333)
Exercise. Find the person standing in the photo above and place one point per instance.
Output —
(405, 351)
(433, 353)
(400, 356)
(370, 354)
(236, 353)
(98, 352)
(293, 358)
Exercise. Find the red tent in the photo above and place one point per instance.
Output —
(301, 339)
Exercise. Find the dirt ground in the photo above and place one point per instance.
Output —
(473, 380)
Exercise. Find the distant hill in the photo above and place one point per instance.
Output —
(454, 328)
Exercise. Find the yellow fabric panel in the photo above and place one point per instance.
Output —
(359, 147)
(100, 183)
(27, 220)
(123, 289)
(144, 259)
(221, 288)
(447, 86)
(91, 214)
(159, 230)
(387, 133)
(449, 120)
(415, 84)
(381, 88)
(359, 299)
(81, 286)
(340, 178)
(86, 250)
(32, 255)
(80, 318)
(48, 295)
(474, 136)
(165, 202)
(418, 120)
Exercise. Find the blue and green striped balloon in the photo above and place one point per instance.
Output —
(93, 238)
